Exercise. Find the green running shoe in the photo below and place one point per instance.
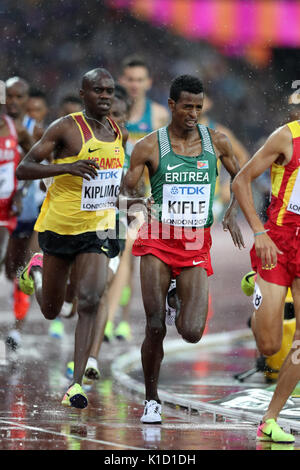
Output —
(109, 331)
(123, 331)
(56, 329)
(26, 282)
(75, 397)
(271, 431)
(248, 283)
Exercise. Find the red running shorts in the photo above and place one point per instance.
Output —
(287, 240)
(177, 247)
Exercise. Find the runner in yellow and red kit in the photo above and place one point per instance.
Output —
(275, 256)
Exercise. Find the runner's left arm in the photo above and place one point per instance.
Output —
(229, 161)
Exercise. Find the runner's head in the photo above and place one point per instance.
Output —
(294, 106)
(119, 110)
(135, 77)
(17, 94)
(69, 104)
(186, 101)
(97, 92)
(37, 106)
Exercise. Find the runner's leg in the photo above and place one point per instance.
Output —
(154, 298)
(192, 292)
(289, 374)
(91, 281)
(4, 238)
(267, 320)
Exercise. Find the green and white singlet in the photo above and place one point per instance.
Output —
(184, 186)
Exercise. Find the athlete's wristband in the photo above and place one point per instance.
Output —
(261, 233)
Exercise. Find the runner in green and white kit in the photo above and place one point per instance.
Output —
(183, 186)
(182, 161)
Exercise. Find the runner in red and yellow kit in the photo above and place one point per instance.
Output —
(275, 256)
(78, 213)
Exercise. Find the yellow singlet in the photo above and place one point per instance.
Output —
(74, 205)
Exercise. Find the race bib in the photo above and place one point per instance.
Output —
(294, 202)
(185, 205)
(7, 180)
(102, 192)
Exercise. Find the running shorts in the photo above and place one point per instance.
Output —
(287, 240)
(69, 246)
(177, 247)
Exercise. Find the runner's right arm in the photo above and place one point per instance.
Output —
(31, 167)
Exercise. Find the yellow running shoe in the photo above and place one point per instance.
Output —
(123, 331)
(26, 282)
(271, 431)
(248, 283)
(75, 397)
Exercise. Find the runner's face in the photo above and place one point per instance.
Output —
(69, 107)
(16, 100)
(118, 112)
(37, 109)
(136, 80)
(98, 96)
(186, 112)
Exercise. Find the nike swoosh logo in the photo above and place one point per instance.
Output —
(94, 150)
(197, 262)
(169, 168)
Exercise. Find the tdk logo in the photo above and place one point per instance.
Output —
(188, 190)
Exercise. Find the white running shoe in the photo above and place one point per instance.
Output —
(152, 412)
(170, 311)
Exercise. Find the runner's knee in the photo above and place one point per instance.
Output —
(50, 311)
(269, 346)
(190, 335)
(88, 302)
(156, 328)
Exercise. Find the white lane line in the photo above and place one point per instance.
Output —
(74, 436)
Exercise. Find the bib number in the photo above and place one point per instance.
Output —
(185, 206)
(7, 180)
(294, 202)
(102, 192)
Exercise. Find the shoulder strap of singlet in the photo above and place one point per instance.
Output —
(148, 112)
(85, 131)
(163, 142)
(206, 139)
(11, 125)
(294, 128)
(115, 127)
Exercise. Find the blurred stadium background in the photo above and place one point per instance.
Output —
(246, 52)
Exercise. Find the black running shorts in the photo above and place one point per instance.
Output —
(69, 246)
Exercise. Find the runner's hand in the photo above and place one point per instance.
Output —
(267, 251)
(87, 169)
(229, 223)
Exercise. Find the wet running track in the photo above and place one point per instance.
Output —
(33, 382)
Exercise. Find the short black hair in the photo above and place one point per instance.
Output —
(37, 93)
(135, 61)
(121, 94)
(187, 83)
(71, 99)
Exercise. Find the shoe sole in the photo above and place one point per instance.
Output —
(150, 422)
(261, 439)
(79, 401)
(92, 374)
